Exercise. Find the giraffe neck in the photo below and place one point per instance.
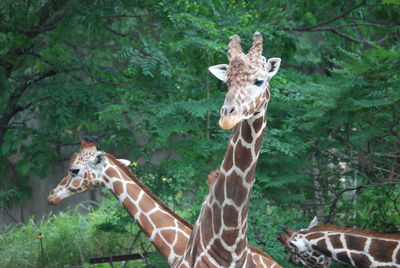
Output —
(357, 248)
(167, 231)
(220, 233)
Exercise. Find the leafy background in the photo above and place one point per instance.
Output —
(128, 70)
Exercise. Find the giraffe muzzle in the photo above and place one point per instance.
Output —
(231, 114)
(228, 122)
(53, 200)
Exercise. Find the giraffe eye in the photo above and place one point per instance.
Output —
(258, 83)
(74, 171)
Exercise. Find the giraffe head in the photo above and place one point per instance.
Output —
(85, 172)
(247, 77)
(300, 251)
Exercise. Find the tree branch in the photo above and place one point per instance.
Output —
(345, 36)
(47, 73)
(357, 188)
(126, 16)
(46, 23)
(308, 28)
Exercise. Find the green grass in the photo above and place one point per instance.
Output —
(73, 237)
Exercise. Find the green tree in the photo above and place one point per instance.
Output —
(127, 69)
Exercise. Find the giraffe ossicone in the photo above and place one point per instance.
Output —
(317, 245)
(219, 237)
(90, 168)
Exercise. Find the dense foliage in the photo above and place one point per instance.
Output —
(135, 73)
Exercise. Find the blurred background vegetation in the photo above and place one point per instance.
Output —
(127, 70)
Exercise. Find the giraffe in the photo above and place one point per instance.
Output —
(219, 237)
(358, 248)
(91, 168)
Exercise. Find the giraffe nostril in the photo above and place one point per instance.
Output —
(228, 110)
(223, 111)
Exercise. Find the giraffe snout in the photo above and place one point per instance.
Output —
(53, 199)
(229, 110)
(230, 116)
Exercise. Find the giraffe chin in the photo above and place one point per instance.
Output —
(228, 122)
(54, 200)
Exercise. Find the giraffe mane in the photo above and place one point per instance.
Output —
(72, 159)
(329, 227)
(212, 177)
(145, 189)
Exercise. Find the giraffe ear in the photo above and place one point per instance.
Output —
(219, 71)
(125, 162)
(98, 160)
(272, 67)
(313, 223)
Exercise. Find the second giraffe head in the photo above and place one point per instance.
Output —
(247, 77)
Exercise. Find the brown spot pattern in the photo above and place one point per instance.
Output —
(146, 203)
(76, 183)
(237, 191)
(217, 218)
(246, 132)
(355, 242)
(321, 246)
(360, 260)
(169, 235)
(243, 157)
(220, 254)
(230, 215)
(250, 176)
(245, 210)
(314, 236)
(63, 182)
(258, 123)
(112, 173)
(228, 160)
(335, 241)
(117, 187)
(129, 206)
(382, 250)
(229, 236)
(163, 220)
(133, 191)
(145, 222)
(207, 228)
(219, 193)
(342, 256)
(258, 141)
(161, 245)
(398, 256)
(240, 246)
(235, 135)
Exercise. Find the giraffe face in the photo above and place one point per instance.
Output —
(300, 251)
(85, 172)
(247, 77)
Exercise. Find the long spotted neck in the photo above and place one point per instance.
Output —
(357, 248)
(167, 231)
(219, 237)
